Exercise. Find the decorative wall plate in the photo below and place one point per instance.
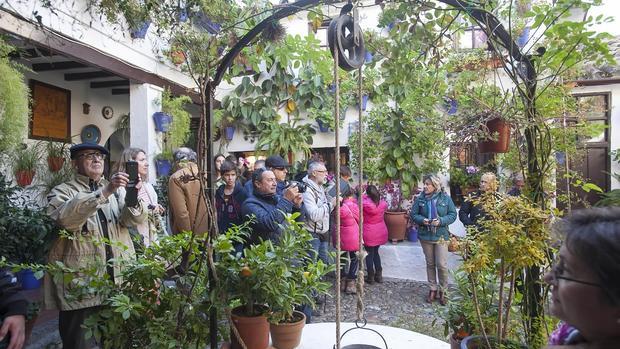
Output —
(107, 112)
(90, 134)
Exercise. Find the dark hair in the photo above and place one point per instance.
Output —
(345, 171)
(217, 156)
(232, 159)
(373, 194)
(257, 175)
(593, 236)
(347, 192)
(227, 166)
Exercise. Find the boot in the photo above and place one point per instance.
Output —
(431, 296)
(370, 278)
(350, 288)
(441, 296)
(343, 285)
(379, 276)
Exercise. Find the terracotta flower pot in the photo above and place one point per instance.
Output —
(254, 331)
(288, 335)
(55, 163)
(396, 224)
(177, 57)
(502, 129)
(24, 178)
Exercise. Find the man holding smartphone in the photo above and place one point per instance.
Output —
(87, 209)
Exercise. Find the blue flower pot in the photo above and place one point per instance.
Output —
(140, 31)
(364, 101)
(522, 39)
(451, 106)
(27, 279)
(163, 167)
(183, 16)
(230, 132)
(412, 234)
(368, 57)
(162, 121)
(322, 126)
(332, 88)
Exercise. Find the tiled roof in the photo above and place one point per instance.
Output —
(607, 70)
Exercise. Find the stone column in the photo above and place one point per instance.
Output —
(144, 100)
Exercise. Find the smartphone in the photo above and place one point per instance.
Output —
(131, 199)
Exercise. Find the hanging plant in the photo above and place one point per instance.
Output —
(14, 99)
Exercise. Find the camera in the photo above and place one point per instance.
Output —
(301, 186)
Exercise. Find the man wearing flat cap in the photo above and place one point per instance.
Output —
(279, 167)
(88, 209)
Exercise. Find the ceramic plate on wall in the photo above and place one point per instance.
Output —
(90, 134)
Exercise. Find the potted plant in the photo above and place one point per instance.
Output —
(498, 139)
(26, 232)
(163, 163)
(267, 282)
(511, 236)
(25, 160)
(56, 155)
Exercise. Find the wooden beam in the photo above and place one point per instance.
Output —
(112, 83)
(38, 52)
(87, 75)
(57, 66)
(120, 91)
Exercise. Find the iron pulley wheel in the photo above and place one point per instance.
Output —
(346, 39)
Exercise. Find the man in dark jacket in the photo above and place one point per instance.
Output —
(268, 208)
(13, 306)
(279, 167)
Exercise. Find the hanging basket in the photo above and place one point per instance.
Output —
(230, 132)
(500, 128)
(361, 326)
(55, 163)
(162, 121)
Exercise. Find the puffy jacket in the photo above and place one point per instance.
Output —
(229, 213)
(188, 209)
(269, 212)
(349, 226)
(318, 208)
(74, 206)
(375, 230)
(446, 213)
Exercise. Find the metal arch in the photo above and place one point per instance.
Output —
(488, 22)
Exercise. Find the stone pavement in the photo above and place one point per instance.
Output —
(398, 299)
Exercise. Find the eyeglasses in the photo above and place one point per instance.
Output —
(558, 268)
(93, 156)
(280, 168)
(321, 171)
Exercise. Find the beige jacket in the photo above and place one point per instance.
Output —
(74, 207)
(188, 208)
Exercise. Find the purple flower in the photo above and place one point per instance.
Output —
(471, 169)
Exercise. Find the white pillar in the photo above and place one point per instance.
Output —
(144, 100)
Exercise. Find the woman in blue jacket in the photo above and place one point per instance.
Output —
(433, 211)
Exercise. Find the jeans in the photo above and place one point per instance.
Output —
(373, 260)
(320, 249)
(436, 255)
(352, 274)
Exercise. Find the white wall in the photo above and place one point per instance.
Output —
(82, 93)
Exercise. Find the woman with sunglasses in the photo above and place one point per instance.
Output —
(585, 281)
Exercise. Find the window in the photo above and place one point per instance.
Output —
(473, 38)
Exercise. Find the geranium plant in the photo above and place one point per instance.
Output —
(468, 176)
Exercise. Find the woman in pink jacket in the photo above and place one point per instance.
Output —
(375, 232)
(349, 236)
